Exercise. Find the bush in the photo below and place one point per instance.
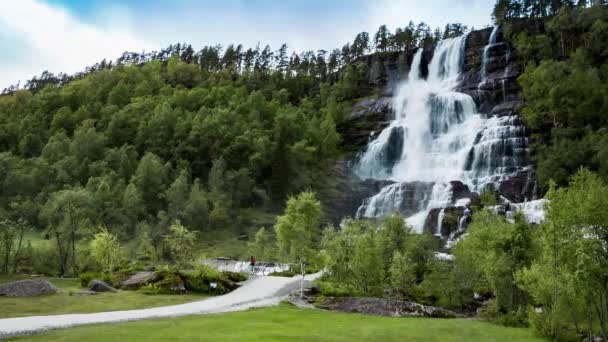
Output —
(200, 281)
(236, 277)
(289, 273)
(329, 289)
(493, 314)
(44, 261)
(87, 277)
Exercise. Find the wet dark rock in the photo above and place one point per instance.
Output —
(507, 108)
(28, 288)
(412, 198)
(368, 118)
(348, 192)
(394, 148)
(461, 191)
(451, 217)
(383, 307)
(384, 69)
(101, 286)
(520, 186)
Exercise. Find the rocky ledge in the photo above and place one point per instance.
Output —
(368, 117)
(383, 307)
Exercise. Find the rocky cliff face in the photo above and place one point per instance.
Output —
(490, 78)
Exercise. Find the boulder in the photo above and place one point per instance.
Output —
(139, 279)
(85, 293)
(384, 307)
(28, 288)
(101, 286)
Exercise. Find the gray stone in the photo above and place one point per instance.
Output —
(139, 279)
(28, 288)
(101, 286)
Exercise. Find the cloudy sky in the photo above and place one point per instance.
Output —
(67, 35)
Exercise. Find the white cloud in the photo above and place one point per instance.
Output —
(436, 13)
(35, 36)
(51, 39)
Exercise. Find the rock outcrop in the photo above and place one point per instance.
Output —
(139, 279)
(101, 286)
(383, 307)
(368, 117)
(28, 288)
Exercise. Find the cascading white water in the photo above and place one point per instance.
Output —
(486, 53)
(437, 136)
(440, 222)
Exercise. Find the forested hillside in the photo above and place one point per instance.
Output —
(135, 144)
(564, 46)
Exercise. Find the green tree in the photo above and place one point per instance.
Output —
(568, 277)
(149, 179)
(298, 229)
(66, 212)
(262, 245)
(181, 243)
(177, 195)
(105, 249)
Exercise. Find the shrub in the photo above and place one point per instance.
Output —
(493, 314)
(87, 277)
(236, 277)
(200, 281)
(289, 273)
(44, 261)
(329, 289)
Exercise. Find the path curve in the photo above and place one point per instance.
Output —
(257, 292)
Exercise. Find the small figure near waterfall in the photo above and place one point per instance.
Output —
(252, 264)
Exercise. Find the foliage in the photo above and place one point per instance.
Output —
(493, 252)
(568, 279)
(181, 243)
(564, 85)
(12, 245)
(262, 245)
(363, 260)
(106, 250)
(297, 231)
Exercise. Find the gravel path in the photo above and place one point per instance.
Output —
(257, 292)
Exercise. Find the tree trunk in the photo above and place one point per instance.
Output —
(18, 250)
(62, 256)
(73, 238)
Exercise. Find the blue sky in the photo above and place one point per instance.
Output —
(67, 35)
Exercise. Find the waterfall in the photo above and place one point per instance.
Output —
(437, 136)
(440, 222)
(486, 54)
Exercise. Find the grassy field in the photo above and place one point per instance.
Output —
(64, 303)
(286, 323)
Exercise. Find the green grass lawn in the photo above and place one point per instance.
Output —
(286, 323)
(64, 303)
